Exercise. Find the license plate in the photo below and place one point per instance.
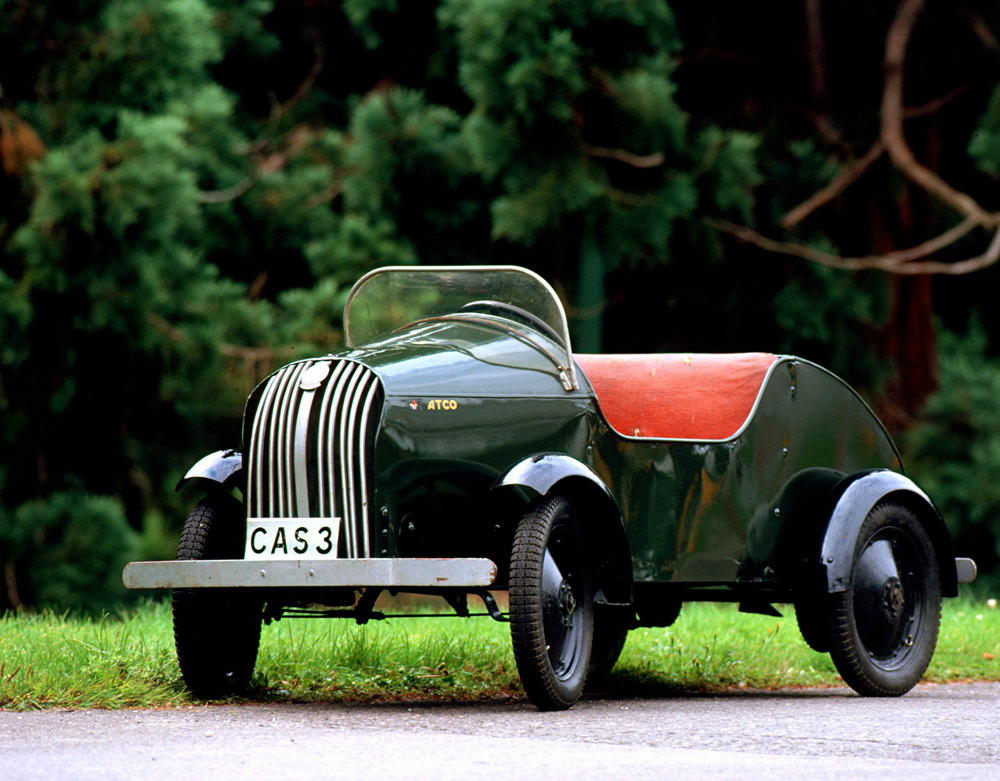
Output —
(292, 538)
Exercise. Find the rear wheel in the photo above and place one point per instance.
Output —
(551, 611)
(883, 629)
(812, 614)
(216, 631)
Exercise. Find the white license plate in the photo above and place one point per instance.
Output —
(292, 538)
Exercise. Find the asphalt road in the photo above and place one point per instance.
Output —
(948, 731)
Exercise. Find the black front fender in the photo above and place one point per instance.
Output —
(857, 497)
(541, 472)
(607, 539)
(224, 467)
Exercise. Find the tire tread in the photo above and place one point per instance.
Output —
(216, 632)
(846, 648)
(526, 620)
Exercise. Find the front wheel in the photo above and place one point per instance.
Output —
(884, 628)
(551, 608)
(216, 631)
(610, 632)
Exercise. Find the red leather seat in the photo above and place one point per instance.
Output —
(677, 395)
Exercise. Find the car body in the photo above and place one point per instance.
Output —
(458, 447)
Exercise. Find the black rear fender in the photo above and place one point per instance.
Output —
(854, 498)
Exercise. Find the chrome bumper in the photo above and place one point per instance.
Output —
(316, 573)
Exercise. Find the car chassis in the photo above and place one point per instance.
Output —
(458, 447)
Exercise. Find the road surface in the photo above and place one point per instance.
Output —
(937, 731)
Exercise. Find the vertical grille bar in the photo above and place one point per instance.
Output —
(329, 445)
(364, 459)
(256, 469)
(310, 452)
(324, 435)
(346, 448)
(289, 407)
(275, 461)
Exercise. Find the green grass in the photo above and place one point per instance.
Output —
(125, 661)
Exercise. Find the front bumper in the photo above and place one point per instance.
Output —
(315, 573)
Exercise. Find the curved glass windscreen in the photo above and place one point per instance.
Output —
(388, 299)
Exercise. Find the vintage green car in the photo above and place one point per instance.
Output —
(458, 447)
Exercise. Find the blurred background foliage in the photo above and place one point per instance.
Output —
(189, 187)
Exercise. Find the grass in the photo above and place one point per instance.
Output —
(50, 660)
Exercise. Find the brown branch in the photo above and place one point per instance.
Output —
(892, 120)
(626, 198)
(303, 89)
(816, 53)
(251, 354)
(846, 178)
(329, 194)
(267, 161)
(230, 193)
(892, 140)
(604, 82)
(931, 246)
(841, 182)
(983, 32)
(816, 58)
(906, 261)
(708, 159)
(977, 263)
(932, 106)
(829, 133)
(636, 161)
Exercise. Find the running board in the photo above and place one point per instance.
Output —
(316, 573)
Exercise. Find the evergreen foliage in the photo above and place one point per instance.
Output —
(188, 187)
(955, 449)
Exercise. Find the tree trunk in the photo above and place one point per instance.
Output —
(588, 336)
(911, 346)
(909, 341)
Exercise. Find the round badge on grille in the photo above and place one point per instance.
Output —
(313, 377)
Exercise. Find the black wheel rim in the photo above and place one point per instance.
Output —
(561, 591)
(889, 597)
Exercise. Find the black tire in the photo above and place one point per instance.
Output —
(812, 614)
(551, 608)
(884, 628)
(610, 632)
(216, 631)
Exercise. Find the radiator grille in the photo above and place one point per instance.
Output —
(310, 448)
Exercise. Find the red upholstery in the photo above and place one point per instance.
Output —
(677, 396)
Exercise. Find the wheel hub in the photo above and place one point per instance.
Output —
(567, 602)
(893, 598)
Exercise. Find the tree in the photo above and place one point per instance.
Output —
(917, 222)
(188, 187)
(178, 231)
(955, 448)
(575, 127)
(102, 266)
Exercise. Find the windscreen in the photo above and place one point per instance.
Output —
(388, 299)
